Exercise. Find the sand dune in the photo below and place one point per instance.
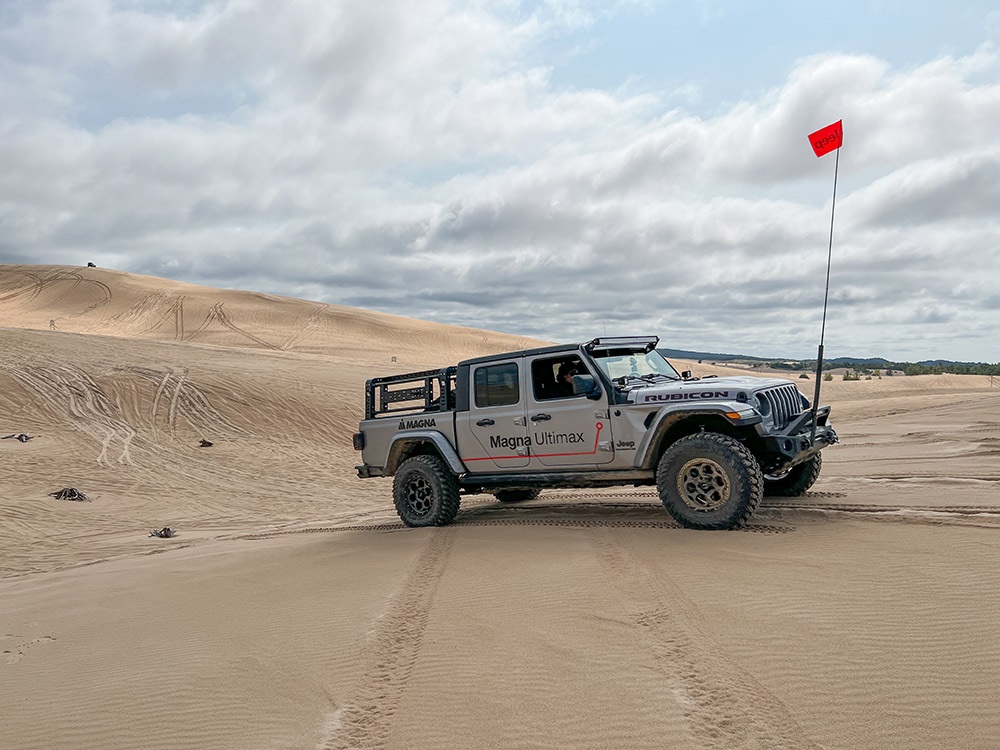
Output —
(293, 611)
(115, 303)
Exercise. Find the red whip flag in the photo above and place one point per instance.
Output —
(827, 139)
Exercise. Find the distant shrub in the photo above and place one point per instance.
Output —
(804, 376)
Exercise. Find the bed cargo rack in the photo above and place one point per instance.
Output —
(428, 390)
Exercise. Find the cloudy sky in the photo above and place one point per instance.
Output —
(558, 169)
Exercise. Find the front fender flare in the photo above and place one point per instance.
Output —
(667, 416)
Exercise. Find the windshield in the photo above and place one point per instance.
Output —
(636, 366)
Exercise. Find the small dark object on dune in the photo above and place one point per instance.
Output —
(205, 443)
(165, 533)
(70, 493)
(23, 437)
(91, 265)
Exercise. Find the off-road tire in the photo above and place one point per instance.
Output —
(796, 481)
(516, 496)
(425, 492)
(709, 481)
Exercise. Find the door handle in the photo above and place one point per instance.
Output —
(485, 422)
(541, 418)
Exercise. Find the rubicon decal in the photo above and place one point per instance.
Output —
(684, 396)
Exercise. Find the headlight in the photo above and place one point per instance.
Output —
(763, 406)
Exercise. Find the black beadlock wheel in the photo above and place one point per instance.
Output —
(796, 481)
(709, 481)
(425, 492)
(516, 496)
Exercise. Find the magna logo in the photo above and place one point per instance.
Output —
(415, 424)
(685, 396)
(510, 443)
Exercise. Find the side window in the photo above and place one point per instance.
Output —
(496, 385)
(553, 378)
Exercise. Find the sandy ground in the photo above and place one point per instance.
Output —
(293, 611)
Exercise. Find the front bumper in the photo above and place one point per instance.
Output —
(797, 444)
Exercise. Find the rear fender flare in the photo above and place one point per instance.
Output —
(400, 445)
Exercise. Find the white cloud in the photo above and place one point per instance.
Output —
(419, 159)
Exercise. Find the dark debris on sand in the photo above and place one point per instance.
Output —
(22, 437)
(70, 493)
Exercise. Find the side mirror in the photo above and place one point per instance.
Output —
(585, 385)
(686, 374)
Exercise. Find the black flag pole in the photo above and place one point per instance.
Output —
(826, 299)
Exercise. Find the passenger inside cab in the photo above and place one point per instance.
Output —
(553, 378)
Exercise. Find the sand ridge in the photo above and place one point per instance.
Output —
(293, 610)
(116, 303)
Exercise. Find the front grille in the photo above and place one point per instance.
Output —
(783, 403)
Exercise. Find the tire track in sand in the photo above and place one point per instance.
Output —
(566, 523)
(39, 283)
(180, 397)
(308, 325)
(33, 290)
(389, 654)
(725, 707)
(71, 389)
(219, 314)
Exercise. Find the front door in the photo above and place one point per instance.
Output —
(565, 430)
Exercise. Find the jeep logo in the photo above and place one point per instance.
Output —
(415, 424)
(625, 445)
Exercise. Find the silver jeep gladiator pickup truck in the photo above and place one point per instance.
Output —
(607, 412)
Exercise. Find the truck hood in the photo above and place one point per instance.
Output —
(707, 389)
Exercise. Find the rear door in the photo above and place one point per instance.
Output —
(493, 433)
(566, 431)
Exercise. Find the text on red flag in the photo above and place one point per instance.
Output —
(827, 139)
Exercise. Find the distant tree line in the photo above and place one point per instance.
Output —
(956, 368)
(894, 368)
